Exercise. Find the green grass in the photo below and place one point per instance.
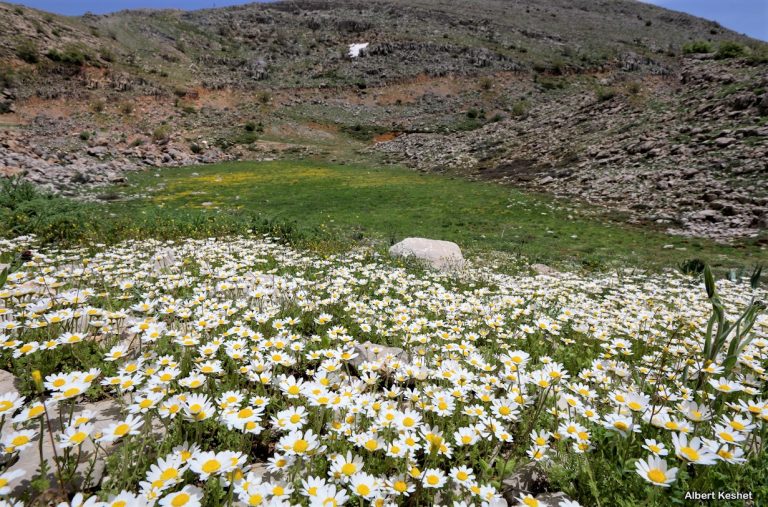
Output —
(348, 204)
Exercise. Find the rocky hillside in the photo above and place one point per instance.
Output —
(687, 151)
(656, 114)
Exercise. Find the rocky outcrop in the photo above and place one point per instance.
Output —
(71, 171)
(685, 152)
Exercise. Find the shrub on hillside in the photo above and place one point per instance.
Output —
(730, 49)
(161, 133)
(70, 56)
(27, 51)
(519, 109)
(604, 94)
(696, 47)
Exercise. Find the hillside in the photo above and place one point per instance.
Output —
(658, 116)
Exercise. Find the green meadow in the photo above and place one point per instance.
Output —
(324, 204)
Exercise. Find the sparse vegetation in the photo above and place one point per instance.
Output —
(605, 93)
(519, 109)
(72, 55)
(697, 47)
(27, 51)
(161, 133)
(730, 49)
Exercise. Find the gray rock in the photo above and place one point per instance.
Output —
(553, 499)
(529, 479)
(722, 142)
(87, 475)
(442, 255)
(8, 382)
(543, 269)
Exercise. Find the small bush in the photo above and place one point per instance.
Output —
(633, 88)
(519, 109)
(70, 56)
(107, 55)
(265, 98)
(126, 108)
(84, 135)
(551, 83)
(697, 47)
(27, 51)
(7, 77)
(161, 133)
(604, 94)
(250, 126)
(486, 83)
(98, 106)
(730, 49)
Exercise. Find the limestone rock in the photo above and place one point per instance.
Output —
(544, 270)
(529, 479)
(442, 255)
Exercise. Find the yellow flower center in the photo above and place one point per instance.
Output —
(72, 391)
(169, 474)
(122, 429)
(79, 437)
(657, 475)
(211, 466)
(19, 440)
(690, 453)
(180, 499)
(300, 446)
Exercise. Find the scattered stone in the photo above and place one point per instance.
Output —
(8, 382)
(442, 255)
(530, 479)
(722, 142)
(544, 270)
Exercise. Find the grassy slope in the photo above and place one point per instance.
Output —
(354, 203)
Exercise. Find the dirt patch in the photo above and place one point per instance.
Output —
(386, 136)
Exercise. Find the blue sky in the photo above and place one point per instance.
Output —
(745, 16)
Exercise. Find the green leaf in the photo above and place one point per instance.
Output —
(709, 282)
(754, 280)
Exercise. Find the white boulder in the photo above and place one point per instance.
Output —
(442, 255)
